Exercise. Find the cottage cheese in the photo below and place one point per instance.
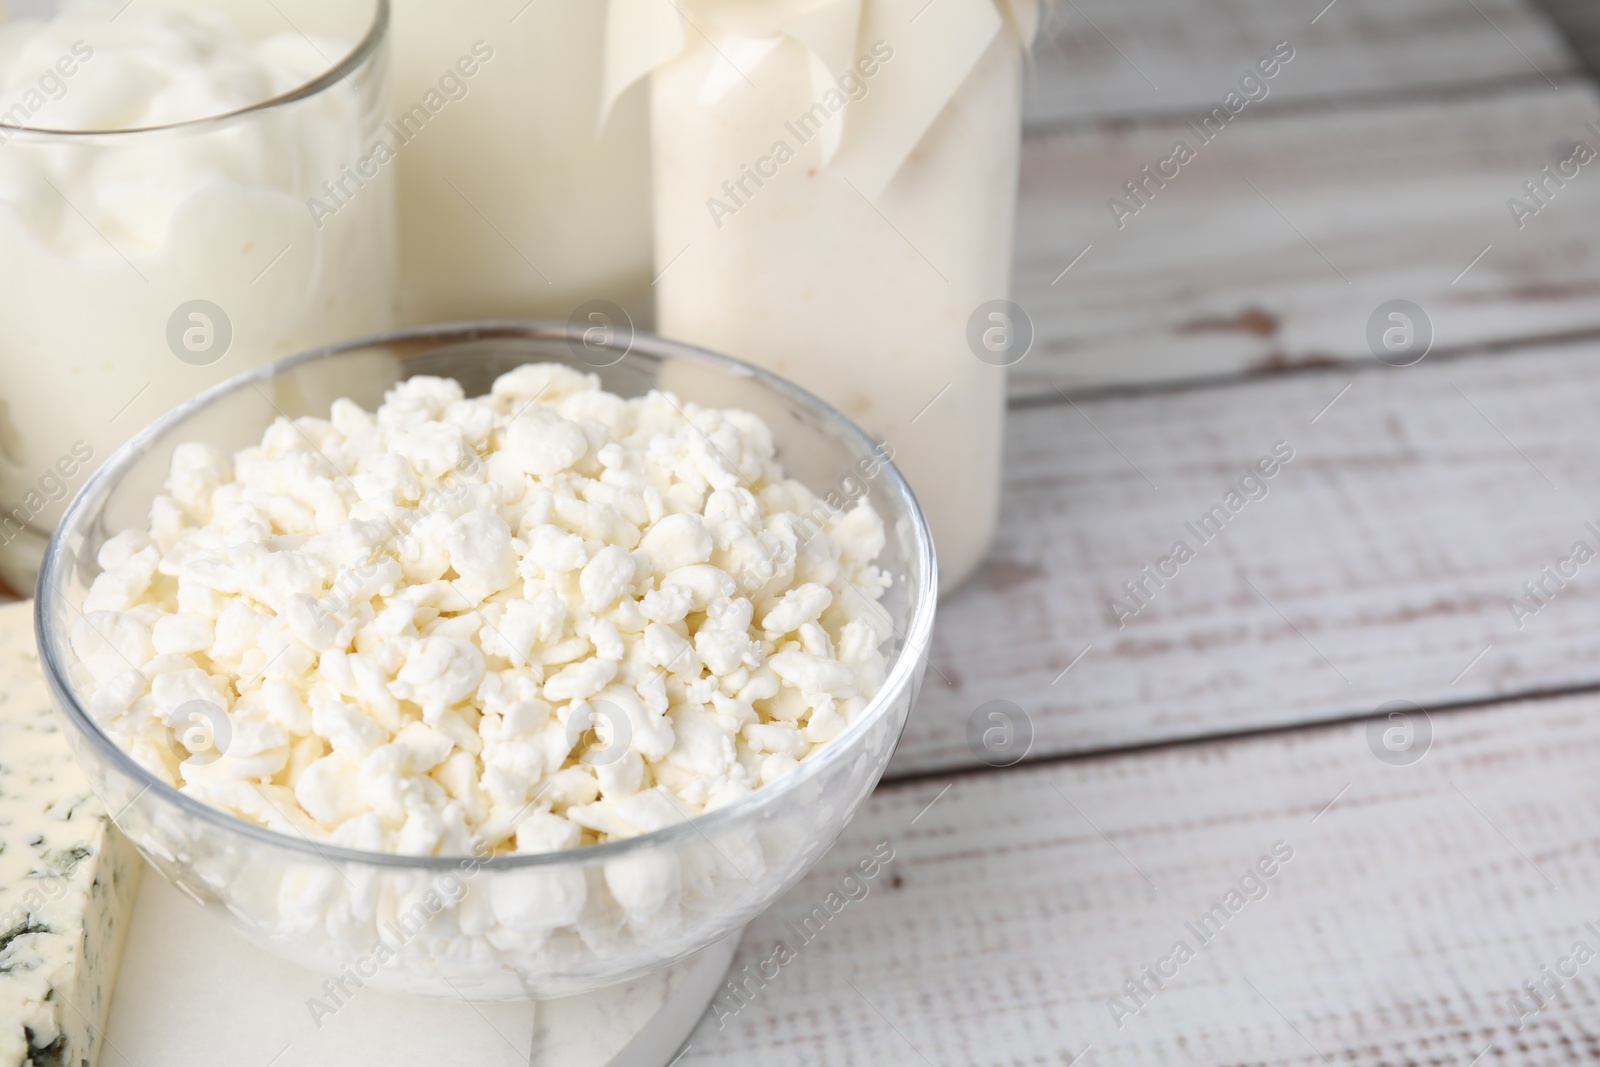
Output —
(538, 619)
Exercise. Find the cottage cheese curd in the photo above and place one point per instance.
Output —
(114, 231)
(538, 619)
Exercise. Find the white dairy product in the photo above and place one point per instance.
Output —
(67, 877)
(514, 202)
(834, 189)
(397, 630)
(137, 268)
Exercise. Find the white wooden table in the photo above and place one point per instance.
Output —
(1243, 710)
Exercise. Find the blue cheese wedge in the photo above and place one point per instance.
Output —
(67, 877)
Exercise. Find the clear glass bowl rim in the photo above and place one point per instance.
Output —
(914, 642)
(336, 73)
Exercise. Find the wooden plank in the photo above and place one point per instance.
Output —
(1380, 566)
(1274, 246)
(1100, 59)
(1579, 22)
(1417, 901)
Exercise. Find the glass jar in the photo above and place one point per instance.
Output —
(834, 201)
(516, 202)
(159, 237)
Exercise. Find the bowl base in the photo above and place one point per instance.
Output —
(193, 993)
(641, 1024)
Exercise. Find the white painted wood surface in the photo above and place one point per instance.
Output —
(1379, 566)
(1273, 247)
(1579, 20)
(1413, 908)
(1100, 59)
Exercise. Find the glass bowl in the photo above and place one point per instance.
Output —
(495, 927)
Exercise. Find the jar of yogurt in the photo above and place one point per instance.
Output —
(188, 189)
(834, 189)
(514, 202)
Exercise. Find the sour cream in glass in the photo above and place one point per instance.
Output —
(158, 171)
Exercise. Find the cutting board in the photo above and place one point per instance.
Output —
(193, 993)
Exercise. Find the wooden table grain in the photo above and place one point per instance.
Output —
(1376, 679)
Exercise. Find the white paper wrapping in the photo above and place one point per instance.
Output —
(936, 44)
